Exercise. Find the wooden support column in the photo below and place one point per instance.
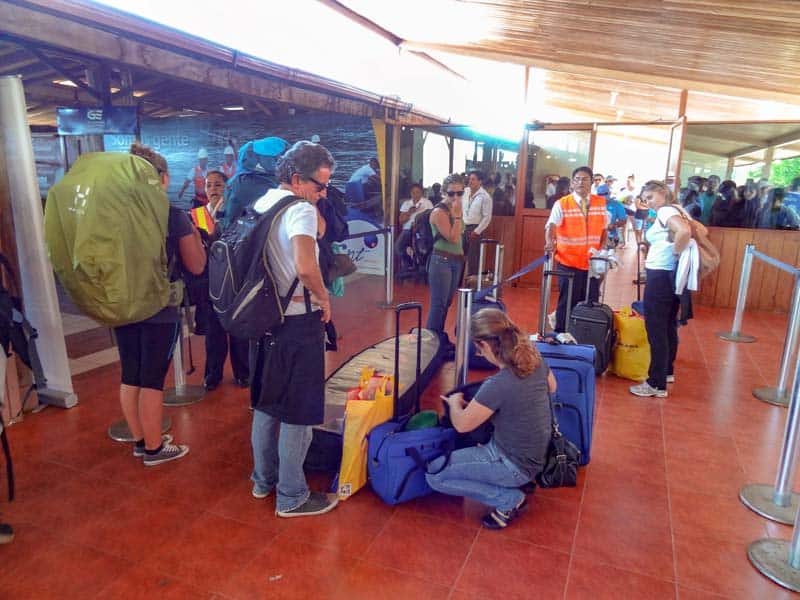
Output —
(729, 168)
(766, 170)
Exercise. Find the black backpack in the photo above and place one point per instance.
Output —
(422, 234)
(242, 288)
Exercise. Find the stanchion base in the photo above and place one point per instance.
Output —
(770, 395)
(119, 431)
(386, 305)
(760, 498)
(183, 395)
(771, 557)
(729, 336)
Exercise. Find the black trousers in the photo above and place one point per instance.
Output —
(471, 251)
(661, 321)
(578, 293)
(217, 343)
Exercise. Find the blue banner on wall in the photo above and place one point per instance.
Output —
(96, 121)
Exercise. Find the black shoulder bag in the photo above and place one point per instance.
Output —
(561, 464)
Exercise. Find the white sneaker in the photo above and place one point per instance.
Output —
(644, 389)
(670, 378)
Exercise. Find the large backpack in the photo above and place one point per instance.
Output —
(106, 229)
(422, 234)
(255, 174)
(242, 288)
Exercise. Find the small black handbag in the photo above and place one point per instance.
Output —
(561, 464)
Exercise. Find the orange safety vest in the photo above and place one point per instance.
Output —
(202, 219)
(229, 170)
(578, 232)
(200, 185)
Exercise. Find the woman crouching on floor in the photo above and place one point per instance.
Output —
(516, 400)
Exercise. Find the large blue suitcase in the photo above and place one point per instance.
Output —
(573, 367)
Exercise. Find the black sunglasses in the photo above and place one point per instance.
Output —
(320, 186)
(451, 193)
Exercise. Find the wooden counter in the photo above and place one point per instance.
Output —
(770, 288)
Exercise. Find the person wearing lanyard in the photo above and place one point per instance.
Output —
(477, 216)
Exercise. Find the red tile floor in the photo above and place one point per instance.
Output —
(655, 514)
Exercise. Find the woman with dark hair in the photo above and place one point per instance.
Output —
(669, 235)
(447, 259)
(516, 400)
(145, 348)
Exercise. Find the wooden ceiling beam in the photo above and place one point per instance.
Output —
(715, 85)
(245, 75)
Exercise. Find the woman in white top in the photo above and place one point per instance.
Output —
(666, 239)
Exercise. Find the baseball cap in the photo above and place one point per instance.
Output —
(202, 153)
(611, 178)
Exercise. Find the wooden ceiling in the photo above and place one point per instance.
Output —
(165, 72)
(745, 141)
(737, 59)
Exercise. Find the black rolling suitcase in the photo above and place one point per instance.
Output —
(593, 323)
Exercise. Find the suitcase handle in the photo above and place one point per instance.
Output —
(545, 301)
(400, 308)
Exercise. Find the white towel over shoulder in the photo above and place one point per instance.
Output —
(688, 269)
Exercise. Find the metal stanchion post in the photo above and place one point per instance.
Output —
(779, 503)
(182, 394)
(462, 335)
(777, 559)
(548, 266)
(736, 335)
(388, 260)
(499, 252)
(779, 395)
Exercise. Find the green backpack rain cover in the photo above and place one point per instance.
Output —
(106, 226)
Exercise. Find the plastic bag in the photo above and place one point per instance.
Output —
(631, 356)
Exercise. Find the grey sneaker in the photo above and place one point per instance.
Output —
(139, 452)
(317, 504)
(670, 378)
(644, 389)
(168, 452)
(259, 492)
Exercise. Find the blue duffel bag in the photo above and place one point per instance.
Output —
(398, 459)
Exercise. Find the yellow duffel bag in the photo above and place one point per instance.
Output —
(631, 356)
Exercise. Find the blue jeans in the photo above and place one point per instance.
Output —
(279, 451)
(482, 473)
(444, 276)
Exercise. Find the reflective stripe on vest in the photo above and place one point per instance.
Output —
(572, 239)
(202, 219)
(229, 170)
(200, 185)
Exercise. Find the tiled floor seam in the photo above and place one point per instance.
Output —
(454, 587)
(574, 539)
(669, 502)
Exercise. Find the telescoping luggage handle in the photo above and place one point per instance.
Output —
(400, 308)
(602, 284)
(549, 272)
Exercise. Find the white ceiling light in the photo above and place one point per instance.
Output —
(237, 107)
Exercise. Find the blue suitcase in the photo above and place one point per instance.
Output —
(573, 367)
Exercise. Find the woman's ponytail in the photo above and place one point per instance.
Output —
(508, 343)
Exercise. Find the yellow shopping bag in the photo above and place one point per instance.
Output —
(631, 357)
(360, 416)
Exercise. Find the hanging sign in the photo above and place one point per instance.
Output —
(96, 121)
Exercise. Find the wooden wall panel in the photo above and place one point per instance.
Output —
(502, 228)
(532, 244)
(770, 288)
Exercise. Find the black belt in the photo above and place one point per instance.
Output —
(450, 255)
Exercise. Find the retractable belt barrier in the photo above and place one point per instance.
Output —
(531, 266)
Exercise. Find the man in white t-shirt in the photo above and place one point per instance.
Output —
(408, 212)
(288, 392)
